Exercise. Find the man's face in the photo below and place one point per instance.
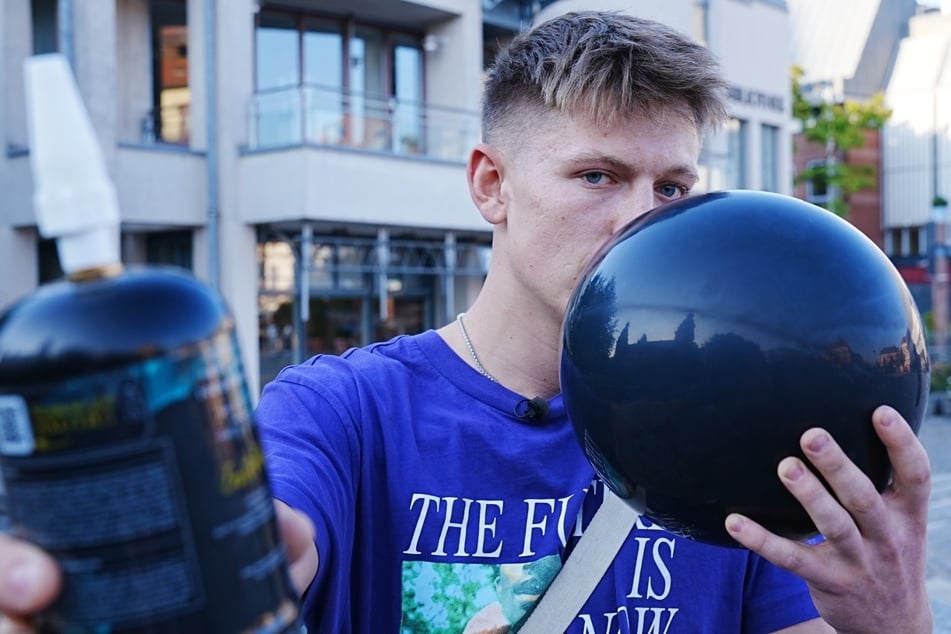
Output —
(572, 184)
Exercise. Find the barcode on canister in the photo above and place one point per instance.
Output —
(16, 433)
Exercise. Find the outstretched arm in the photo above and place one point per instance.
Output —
(30, 579)
(868, 575)
(297, 533)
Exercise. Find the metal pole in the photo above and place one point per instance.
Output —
(939, 283)
(303, 280)
(383, 257)
(65, 31)
(449, 284)
(211, 126)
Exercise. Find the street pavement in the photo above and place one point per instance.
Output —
(935, 434)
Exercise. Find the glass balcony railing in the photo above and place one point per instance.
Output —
(311, 114)
(167, 124)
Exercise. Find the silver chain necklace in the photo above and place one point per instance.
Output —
(475, 359)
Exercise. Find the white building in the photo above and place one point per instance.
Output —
(242, 133)
(226, 163)
(917, 137)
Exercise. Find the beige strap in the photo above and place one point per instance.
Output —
(593, 554)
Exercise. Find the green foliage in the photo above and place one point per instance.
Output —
(439, 598)
(940, 373)
(840, 127)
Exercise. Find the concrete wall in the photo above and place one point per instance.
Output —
(17, 246)
(677, 14)
(340, 185)
(756, 62)
(454, 69)
(237, 264)
(95, 66)
(133, 68)
(161, 187)
(17, 263)
(17, 45)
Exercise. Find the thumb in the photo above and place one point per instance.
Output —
(29, 578)
(297, 532)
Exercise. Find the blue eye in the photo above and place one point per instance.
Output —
(670, 190)
(594, 178)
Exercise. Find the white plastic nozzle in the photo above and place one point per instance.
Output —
(74, 198)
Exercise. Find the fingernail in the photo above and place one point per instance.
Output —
(793, 471)
(23, 578)
(818, 443)
(735, 523)
(889, 416)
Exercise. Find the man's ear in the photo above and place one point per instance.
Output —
(485, 173)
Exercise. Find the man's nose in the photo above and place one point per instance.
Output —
(638, 201)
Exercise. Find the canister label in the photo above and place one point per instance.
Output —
(147, 482)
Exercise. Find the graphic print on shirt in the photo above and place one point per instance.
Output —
(447, 589)
(472, 598)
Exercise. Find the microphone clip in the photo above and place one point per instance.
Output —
(531, 409)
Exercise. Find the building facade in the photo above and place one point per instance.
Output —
(901, 48)
(839, 65)
(917, 149)
(307, 157)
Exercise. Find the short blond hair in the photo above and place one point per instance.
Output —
(604, 66)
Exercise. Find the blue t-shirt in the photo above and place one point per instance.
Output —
(439, 509)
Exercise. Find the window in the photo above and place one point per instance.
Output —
(701, 19)
(817, 186)
(914, 242)
(769, 158)
(171, 101)
(408, 90)
(323, 76)
(333, 81)
(906, 242)
(169, 247)
(736, 154)
(277, 75)
(47, 261)
(45, 26)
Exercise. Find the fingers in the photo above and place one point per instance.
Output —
(849, 508)
(9, 626)
(912, 479)
(29, 578)
(783, 552)
(856, 502)
(833, 521)
(297, 533)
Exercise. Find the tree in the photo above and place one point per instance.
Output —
(839, 127)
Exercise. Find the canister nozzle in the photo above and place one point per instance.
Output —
(74, 198)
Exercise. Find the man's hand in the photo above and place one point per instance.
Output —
(30, 579)
(868, 575)
(297, 532)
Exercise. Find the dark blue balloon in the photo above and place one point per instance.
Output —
(709, 334)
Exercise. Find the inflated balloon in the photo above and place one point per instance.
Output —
(709, 334)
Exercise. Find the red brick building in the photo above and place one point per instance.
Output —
(864, 206)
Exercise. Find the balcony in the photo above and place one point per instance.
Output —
(317, 115)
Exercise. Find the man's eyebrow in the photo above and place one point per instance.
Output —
(685, 171)
(682, 170)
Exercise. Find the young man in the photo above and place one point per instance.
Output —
(441, 497)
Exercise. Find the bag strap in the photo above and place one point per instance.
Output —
(590, 559)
